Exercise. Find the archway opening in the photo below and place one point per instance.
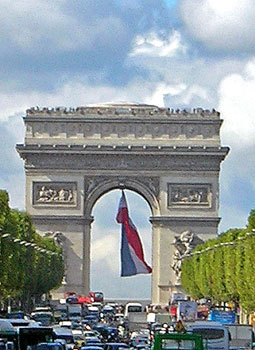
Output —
(105, 247)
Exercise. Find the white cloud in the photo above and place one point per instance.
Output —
(223, 25)
(106, 249)
(36, 26)
(236, 96)
(151, 44)
(161, 91)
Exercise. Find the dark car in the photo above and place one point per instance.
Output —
(92, 347)
(115, 346)
(92, 320)
(49, 346)
(72, 300)
(18, 314)
(139, 342)
(92, 340)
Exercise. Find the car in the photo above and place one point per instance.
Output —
(66, 334)
(115, 346)
(92, 320)
(72, 300)
(93, 310)
(97, 304)
(107, 309)
(79, 338)
(92, 333)
(44, 317)
(49, 346)
(137, 342)
(92, 340)
(65, 323)
(118, 317)
(92, 347)
(18, 314)
(97, 296)
(61, 341)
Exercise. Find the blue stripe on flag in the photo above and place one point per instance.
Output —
(127, 264)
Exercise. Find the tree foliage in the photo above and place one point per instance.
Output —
(224, 272)
(25, 273)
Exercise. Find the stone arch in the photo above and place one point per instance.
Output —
(106, 185)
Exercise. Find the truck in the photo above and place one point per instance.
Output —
(135, 316)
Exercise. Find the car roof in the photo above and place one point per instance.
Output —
(6, 326)
(118, 344)
(62, 331)
(95, 338)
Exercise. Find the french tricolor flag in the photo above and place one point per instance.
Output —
(132, 258)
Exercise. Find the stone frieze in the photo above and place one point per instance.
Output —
(189, 195)
(54, 193)
(118, 162)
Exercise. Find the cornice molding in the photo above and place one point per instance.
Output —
(61, 218)
(185, 220)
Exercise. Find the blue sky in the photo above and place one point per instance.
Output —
(182, 53)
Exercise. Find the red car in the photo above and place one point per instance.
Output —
(97, 296)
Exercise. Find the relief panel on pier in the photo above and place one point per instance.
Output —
(55, 193)
(189, 195)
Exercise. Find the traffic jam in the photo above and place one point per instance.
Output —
(91, 323)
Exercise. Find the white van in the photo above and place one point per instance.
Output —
(132, 307)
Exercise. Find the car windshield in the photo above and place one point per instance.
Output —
(209, 333)
(40, 316)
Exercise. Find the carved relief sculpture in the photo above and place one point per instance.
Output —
(54, 193)
(184, 244)
(189, 194)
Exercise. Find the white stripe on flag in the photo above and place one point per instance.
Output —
(140, 267)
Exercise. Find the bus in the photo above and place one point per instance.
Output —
(24, 336)
(215, 335)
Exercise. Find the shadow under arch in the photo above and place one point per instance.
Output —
(129, 184)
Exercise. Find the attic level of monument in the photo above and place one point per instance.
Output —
(117, 125)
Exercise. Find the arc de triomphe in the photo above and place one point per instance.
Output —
(170, 157)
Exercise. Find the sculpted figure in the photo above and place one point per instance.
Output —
(184, 244)
(58, 237)
(43, 195)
